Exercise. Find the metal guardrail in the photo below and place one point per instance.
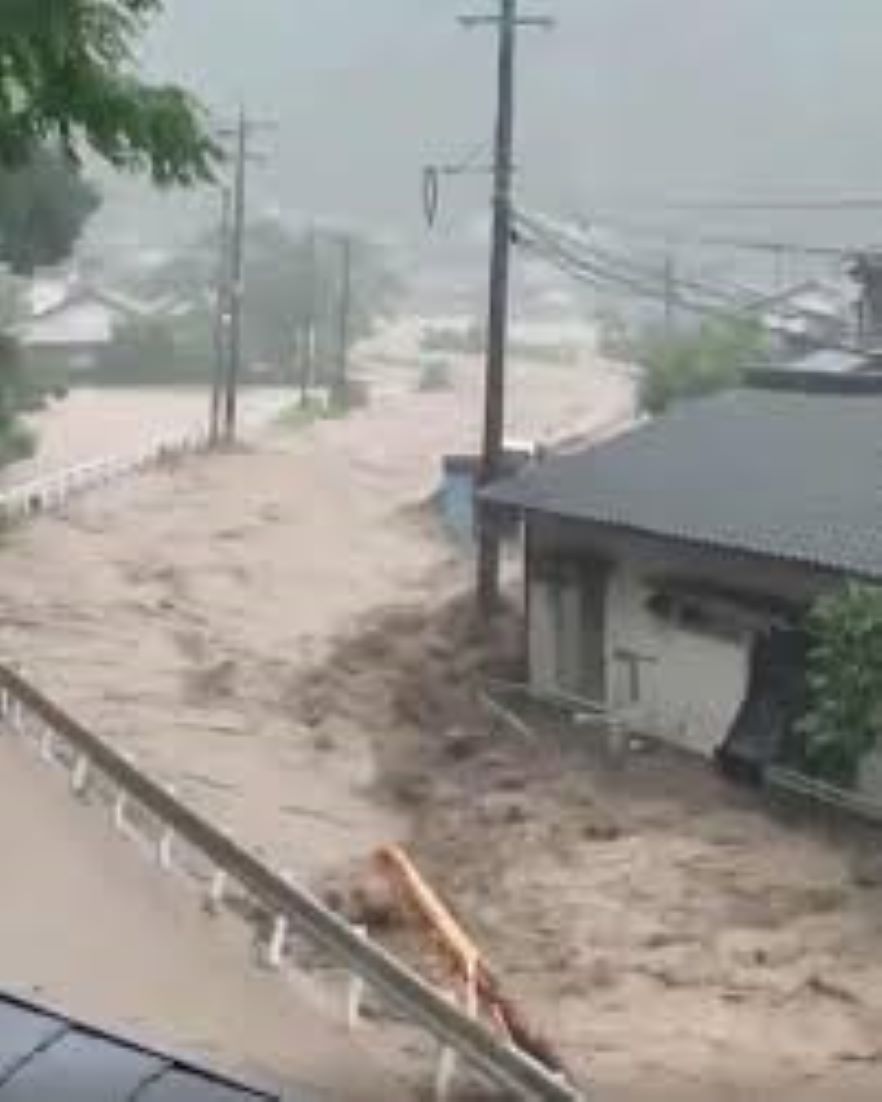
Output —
(295, 907)
(792, 782)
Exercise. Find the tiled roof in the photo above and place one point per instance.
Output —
(788, 475)
(45, 1057)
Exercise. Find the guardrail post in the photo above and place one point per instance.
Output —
(355, 991)
(47, 745)
(4, 703)
(275, 952)
(445, 1071)
(215, 897)
(165, 848)
(119, 811)
(79, 778)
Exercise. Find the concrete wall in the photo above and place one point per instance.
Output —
(684, 686)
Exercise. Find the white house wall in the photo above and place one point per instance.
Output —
(691, 685)
(87, 323)
(542, 641)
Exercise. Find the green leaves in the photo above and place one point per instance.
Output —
(845, 682)
(687, 365)
(43, 208)
(67, 76)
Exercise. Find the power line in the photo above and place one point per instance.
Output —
(583, 267)
(712, 240)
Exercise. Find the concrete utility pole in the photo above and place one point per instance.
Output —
(489, 545)
(670, 284)
(243, 155)
(307, 332)
(237, 288)
(222, 317)
(341, 382)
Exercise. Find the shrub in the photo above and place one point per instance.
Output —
(845, 682)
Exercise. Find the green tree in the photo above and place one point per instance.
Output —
(689, 364)
(44, 206)
(288, 279)
(844, 716)
(68, 85)
(67, 76)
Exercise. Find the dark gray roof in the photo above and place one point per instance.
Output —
(45, 1057)
(782, 474)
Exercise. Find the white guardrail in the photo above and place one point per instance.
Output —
(182, 840)
(53, 491)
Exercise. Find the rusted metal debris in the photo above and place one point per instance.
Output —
(483, 988)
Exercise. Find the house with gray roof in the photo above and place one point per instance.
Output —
(668, 570)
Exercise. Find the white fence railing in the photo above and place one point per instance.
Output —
(53, 491)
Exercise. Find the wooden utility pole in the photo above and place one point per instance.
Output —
(237, 288)
(341, 382)
(222, 317)
(489, 545)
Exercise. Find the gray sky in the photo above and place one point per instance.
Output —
(627, 99)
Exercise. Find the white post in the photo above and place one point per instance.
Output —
(119, 811)
(276, 949)
(445, 1072)
(355, 992)
(165, 849)
(4, 702)
(167, 838)
(47, 744)
(18, 722)
(216, 891)
(80, 776)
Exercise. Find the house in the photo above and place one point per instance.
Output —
(74, 329)
(667, 570)
(46, 1056)
(813, 314)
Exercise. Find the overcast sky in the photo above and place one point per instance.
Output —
(631, 99)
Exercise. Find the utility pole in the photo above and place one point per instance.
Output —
(341, 382)
(507, 22)
(237, 289)
(222, 317)
(670, 293)
(307, 333)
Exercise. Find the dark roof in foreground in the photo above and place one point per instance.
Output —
(45, 1057)
(776, 473)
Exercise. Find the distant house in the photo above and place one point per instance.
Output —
(48, 1057)
(668, 570)
(813, 314)
(74, 330)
